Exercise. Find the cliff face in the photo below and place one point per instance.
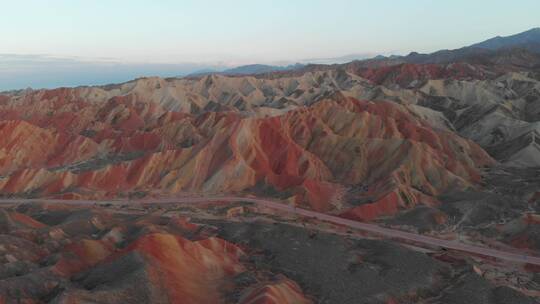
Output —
(330, 156)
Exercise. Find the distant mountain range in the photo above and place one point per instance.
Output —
(250, 69)
(529, 40)
(521, 50)
(39, 71)
(340, 59)
(254, 69)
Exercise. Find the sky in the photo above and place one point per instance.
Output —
(96, 40)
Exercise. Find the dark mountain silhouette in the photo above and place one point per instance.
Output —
(529, 40)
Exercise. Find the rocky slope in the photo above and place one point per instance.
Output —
(78, 147)
(165, 254)
(495, 105)
(304, 135)
(65, 254)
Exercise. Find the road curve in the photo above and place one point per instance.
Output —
(277, 205)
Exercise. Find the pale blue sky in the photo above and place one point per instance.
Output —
(144, 35)
(251, 30)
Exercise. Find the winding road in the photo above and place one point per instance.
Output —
(277, 205)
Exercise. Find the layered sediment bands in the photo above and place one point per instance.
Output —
(491, 101)
(87, 255)
(316, 156)
(412, 75)
(283, 291)
(192, 272)
(23, 145)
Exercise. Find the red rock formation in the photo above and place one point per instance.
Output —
(408, 74)
(315, 153)
(191, 271)
(283, 291)
(24, 145)
(156, 263)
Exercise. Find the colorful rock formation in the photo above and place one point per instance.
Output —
(316, 154)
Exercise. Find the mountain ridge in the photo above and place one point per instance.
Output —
(529, 39)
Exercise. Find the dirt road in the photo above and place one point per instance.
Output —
(277, 205)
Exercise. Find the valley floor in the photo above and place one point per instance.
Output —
(231, 252)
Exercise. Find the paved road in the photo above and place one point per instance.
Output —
(277, 205)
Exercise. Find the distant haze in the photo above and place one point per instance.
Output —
(69, 43)
(40, 71)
